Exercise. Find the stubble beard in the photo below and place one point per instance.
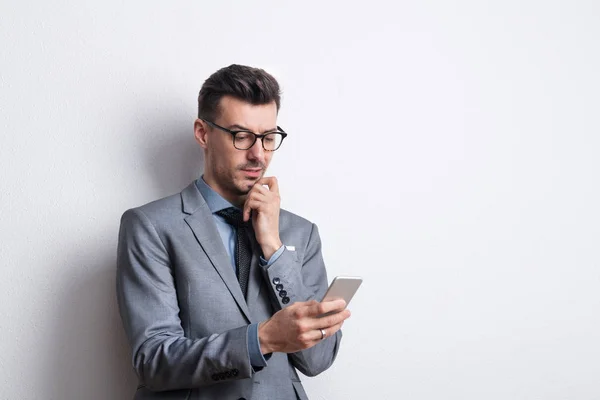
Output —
(237, 186)
(231, 180)
(245, 186)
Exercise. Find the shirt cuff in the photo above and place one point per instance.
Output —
(257, 360)
(274, 257)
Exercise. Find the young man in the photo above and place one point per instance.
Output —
(217, 286)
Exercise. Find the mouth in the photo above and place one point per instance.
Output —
(252, 172)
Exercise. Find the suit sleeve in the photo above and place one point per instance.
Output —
(163, 357)
(304, 280)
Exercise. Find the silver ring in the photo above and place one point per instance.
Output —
(323, 334)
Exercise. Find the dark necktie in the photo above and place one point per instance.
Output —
(243, 249)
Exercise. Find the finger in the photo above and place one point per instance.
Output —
(333, 329)
(258, 195)
(249, 206)
(329, 320)
(246, 212)
(257, 189)
(271, 182)
(253, 195)
(303, 308)
(327, 306)
(247, 209)
(332, 320)
(254, 204)
(323, 333)
(260, 188)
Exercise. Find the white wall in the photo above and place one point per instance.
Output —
(447, 150)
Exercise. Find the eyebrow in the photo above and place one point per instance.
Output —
(243, 128)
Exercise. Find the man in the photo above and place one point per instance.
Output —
(217, 286)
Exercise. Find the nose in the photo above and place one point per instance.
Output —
(256, 152)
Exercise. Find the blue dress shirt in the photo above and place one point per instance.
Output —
(228, 235)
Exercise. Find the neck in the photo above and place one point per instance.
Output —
(234, 199)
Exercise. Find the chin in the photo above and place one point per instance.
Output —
(244, 183)
(244, 187)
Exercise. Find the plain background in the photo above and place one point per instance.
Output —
(448, 151)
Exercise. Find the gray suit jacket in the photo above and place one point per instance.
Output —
(184, 313)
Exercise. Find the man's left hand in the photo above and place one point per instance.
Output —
(262, 205)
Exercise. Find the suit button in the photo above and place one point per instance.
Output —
(276, 281)
(283, 293)
(285, 300)
(279, 287)
(215, 377)
(235, 372)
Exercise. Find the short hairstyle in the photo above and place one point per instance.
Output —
(252, 85)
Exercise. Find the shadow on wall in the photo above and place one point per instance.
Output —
(89, 357)
(174, 158)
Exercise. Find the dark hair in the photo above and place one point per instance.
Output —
(249, 84)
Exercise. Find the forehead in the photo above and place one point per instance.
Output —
(255, 117)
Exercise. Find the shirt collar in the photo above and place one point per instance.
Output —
(213, 199)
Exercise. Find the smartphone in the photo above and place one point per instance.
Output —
(342, 287)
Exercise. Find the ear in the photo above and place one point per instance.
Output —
(200, 130)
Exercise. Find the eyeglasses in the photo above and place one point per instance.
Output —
(243, 140)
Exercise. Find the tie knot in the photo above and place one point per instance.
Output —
(233, 216)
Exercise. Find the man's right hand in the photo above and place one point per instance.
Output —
(298, 327)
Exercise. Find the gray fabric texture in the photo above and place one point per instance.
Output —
(184, 312)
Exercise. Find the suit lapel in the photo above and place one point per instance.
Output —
(202, 224)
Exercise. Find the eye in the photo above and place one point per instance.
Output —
(243, 136)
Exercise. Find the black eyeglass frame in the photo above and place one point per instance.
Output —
(256, 136)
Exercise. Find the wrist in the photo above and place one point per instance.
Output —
(265, 346)
(270, 247)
